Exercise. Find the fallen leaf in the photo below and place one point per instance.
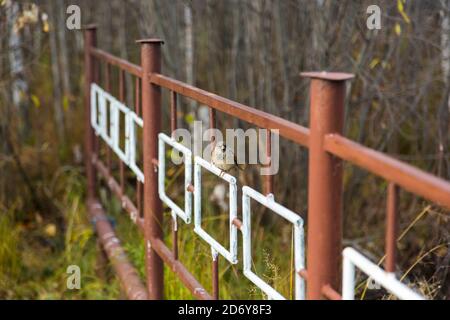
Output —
(398, 29)
(50, 230)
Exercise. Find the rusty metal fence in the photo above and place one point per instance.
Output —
(324, 274)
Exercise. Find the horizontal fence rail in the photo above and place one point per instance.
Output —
(411, 179)
(317, 264)
(287, 129)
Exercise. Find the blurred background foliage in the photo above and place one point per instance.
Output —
(250, 51)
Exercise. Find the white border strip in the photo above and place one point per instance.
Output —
(299, 242)
(231, 254)
(132, 120)
(95, 89)
(122, 154)
(387, 280)
(187, 155)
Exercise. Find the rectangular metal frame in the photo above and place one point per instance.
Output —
(104, 108)
(387, 280)
(299, 242)
(95, 97)
(187, 158)
(124, 155)
(324, 139)
(99, 122)
(231, 254)
(99, 119)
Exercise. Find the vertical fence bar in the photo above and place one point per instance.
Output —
(215, 255)
(139, 197)
(327, 93)
(137, 100)
(122, 99)
(174, 236)
(268, 180)
(173, 111)
(151, 111)
(96, 79)
(212, 123)
(137, 110)
(108, 77)
(173, 127)
(215, 275)
(90, 40)
(108, 88)
(391, 227)
(91, 141)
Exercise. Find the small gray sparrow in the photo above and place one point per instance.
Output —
(223, 157)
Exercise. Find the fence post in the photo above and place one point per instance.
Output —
(151, 114)
(90, 39)
(327, 93)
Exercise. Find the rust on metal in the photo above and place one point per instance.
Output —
(173, 127)
(122, 176)
(121, 63)
(137, 98)
(160, 248)
(324, 187)
(406, 176)
(304, 274)
(327, 148)
(180, 270)
(215, 276)
(174, 238)
(108, 88)
(108, 158)
(237, 223)
(151, 114)
(108, 77)
(212, 123)
(122, 86)
(139, 197)
(173, 112)
(268, 179)
(122, 99)
(155, 162)
(190, 188)
(126, 273)
(391, 227)
(329, 293)
(287, 129)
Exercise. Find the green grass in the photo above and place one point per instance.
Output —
(33, 261)
(271, 256)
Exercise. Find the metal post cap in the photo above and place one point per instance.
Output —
(150, 40)
(331, 76)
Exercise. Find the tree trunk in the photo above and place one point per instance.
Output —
(57, 99)
(443, 113)
(189, 45)
(19, 86)
(65, 66)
